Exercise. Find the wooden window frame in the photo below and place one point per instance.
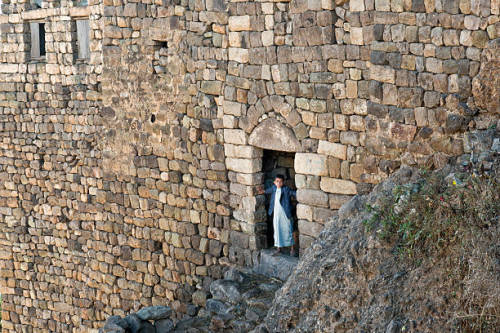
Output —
(38, 51)
(83, 34)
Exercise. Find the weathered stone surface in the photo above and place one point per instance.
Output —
(164, 326)
(225, 290)
(135, 160)
(339, 186)
(311, 164)
(486, 85)
(271, 134)
(332, 149)
(312, 197)
(244, 165)
(279, 267)
(137, 325)
(239, 23)
(154, 312)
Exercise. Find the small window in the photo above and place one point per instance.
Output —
(37, 3)
(37, 40)
(82, 34)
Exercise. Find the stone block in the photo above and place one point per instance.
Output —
(304, 212)
(235, 136)
(310, 228)
(211, 87)
(9, 68)
(244, 165)
(337, 200)
(232, 108)
(238, 54)
(356, 35)
(338, 186)
(267, 38)
(357, 5)
(312, 197)
(382, 73)
(311, 164)
(332, 149)
(232, 150)
(271, 134)
(239, 23)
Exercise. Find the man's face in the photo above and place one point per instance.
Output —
(278, 182)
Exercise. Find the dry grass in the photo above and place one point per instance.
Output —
(452, 221)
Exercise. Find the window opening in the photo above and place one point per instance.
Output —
(82, 33)
(37, 40)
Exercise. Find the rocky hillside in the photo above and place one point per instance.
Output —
(419, 253)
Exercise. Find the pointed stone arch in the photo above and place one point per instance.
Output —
(272, 135)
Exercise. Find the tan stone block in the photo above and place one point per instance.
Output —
(211, 87)
(338, 186)
(337, 200)
(339, 91)
(312, 229)
(390, 94)
(355, 74)
(317, 105)
(309, 118)
(357, 123)
(421, 116)
(244, 165)
(317, 133)
(408, 62)
(267, 38)
(239, 23)
(335, 66)
(304, 212)
(238, 54)
(356, 35)
(232, 108)
(235, 136)
(332, 149)
(302, 103)
(341, 122)
(357, 5)
(351, 89)
(234, 39)
(383, 5)
(9, 68)
(311, 164)
(382, 73)
(267, 8)
(310, 197)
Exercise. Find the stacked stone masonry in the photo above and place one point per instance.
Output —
(134, 177)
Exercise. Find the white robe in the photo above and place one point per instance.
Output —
(281, 223)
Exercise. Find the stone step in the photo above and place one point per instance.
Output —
(279, 266)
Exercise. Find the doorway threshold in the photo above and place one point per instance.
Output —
(278, 266)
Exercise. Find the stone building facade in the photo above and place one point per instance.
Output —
(134, 176)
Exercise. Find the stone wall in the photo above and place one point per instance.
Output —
(134, 178)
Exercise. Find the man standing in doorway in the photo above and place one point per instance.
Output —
(280, 209)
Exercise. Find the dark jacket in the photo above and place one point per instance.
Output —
(286, 194)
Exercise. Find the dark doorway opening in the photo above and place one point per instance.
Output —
(274, 163)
